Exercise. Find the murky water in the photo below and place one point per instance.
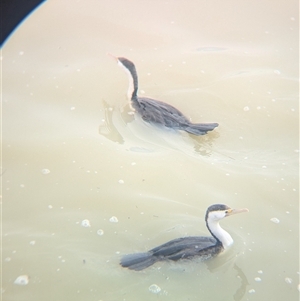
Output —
(85, 181)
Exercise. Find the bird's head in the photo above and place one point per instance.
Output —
(123, 62)
(217, 212)
(126, 63)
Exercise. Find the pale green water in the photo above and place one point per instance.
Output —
(65, 111)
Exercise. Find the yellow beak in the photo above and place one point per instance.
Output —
(114, 57)
(235, 211)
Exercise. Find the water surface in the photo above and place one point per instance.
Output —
(86, 181)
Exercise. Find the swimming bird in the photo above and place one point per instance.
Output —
(188, 247)
(158, 112)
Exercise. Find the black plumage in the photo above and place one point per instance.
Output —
(158, 112)
(188, 247)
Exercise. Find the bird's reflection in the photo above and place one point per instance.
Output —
(110, 129)
(203, 144)
(229, 263)
(240, 292)
(107, 127)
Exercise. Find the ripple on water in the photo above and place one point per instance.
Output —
(100, 232)
(154, 288)
(275, 220)
(22, 280)
(288, 280)
(86, 223)
(45, 171)
(113, 219)
(257, 279)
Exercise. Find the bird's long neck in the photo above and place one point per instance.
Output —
(219, 233)
(133, 82)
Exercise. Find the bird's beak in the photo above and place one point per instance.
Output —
(235, 211)
(114, 57)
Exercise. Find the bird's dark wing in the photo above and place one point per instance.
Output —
(156, 111)
(187, 247)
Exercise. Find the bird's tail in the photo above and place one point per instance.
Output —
(200, 128)
(138, 261)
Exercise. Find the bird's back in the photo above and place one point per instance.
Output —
(158, 112)
(187, 247)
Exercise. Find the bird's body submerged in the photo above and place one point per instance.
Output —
(188, 247)
(158, 112)
(180, 248)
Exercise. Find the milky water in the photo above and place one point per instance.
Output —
(85, 181)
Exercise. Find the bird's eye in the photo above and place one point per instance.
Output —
(226, 211)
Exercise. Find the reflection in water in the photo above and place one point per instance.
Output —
(215, 265)
(109, 129)
(203, 144)
(239, 294)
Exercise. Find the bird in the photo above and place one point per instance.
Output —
(158, 112)
(188, 247)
